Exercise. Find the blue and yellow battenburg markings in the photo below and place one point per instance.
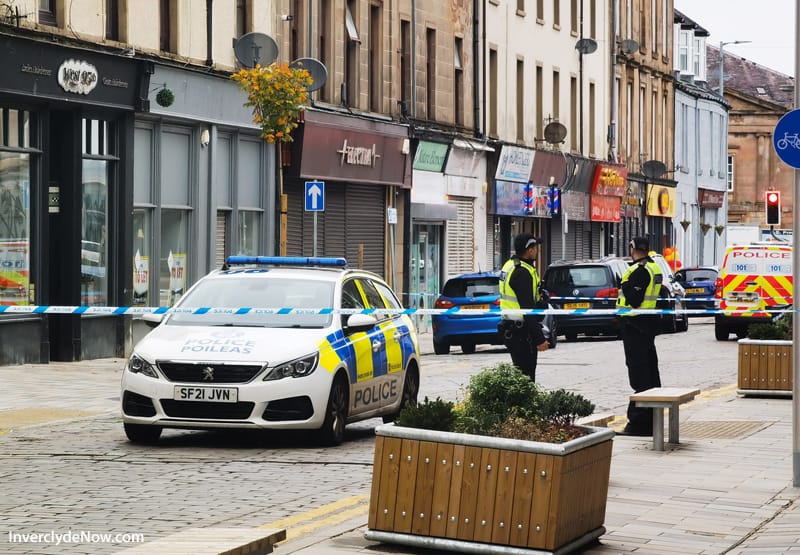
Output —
(355, 351)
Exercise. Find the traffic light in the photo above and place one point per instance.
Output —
(527, 199)
(773, 207)
(553, 200)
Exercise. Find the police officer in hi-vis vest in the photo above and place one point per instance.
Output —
(640, 288)
(519, 289)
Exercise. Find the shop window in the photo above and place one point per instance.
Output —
(141, 256)
(15, 219)
(97, 169)
(249, 225)
(174, 247)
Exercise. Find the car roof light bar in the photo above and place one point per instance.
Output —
(287, 261)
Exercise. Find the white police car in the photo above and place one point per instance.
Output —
(306, 366)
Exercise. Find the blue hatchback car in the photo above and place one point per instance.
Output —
(700, 285)
(474, 291)
(479, 290)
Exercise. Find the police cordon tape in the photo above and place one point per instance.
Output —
(239, 311)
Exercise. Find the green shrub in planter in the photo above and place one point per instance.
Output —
(501, 401)
(779, 328)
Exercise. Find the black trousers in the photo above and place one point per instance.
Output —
(520, 343)
(638, 340)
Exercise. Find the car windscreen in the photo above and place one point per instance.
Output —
(257, 294)
(697, 275)
(472, 287)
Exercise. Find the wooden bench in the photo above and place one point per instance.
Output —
(660, 398)
(213, 541)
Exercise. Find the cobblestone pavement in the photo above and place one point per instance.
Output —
(65, 464)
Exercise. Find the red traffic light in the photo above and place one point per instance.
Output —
(773, 207)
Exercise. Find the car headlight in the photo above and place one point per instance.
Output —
(138, 365)
(296, 368)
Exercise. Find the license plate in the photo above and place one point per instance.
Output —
(477, 307)
(216, 394)
(695, 290)
(576, 305)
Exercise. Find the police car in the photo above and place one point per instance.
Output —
(260, 344)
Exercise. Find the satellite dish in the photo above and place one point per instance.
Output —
(318, 71)
(256, 48)
(554, 132)
(586, 46)
(629, 46)
(654, 168)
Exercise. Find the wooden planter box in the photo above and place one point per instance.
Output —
(463, 492)
(765, 367)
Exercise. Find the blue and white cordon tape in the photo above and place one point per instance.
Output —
(234, 311)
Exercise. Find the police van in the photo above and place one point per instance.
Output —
(754, 285)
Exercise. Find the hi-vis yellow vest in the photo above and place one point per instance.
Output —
(650, 294)
(508, 298)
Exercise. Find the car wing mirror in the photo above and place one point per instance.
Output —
(360, 322)
(152, 320)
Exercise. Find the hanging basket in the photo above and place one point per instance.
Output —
(685, 224)
(705, 228)
(719, 229)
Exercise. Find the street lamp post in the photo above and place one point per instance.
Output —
(722, 64)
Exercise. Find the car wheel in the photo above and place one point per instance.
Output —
(332, 430)
(410, 394)
(141, 433)
(721, 332)
(468, 348)
(571, 336)
(441, 348)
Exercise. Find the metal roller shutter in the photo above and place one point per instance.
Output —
(461, 237)
(221, 239)
(353, 220)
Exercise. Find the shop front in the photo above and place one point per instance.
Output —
(575, 235)
(711, 242)
(365, 167)
(608, 190)
(66, 170)
(660, 210)
(520, 206)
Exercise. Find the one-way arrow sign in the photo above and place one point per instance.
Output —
(315, 196)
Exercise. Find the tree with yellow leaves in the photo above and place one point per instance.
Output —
(277, 93)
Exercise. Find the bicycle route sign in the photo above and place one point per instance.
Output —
(786, 139)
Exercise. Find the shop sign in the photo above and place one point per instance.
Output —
(358, 155)
(515, 164)
(609, 180)
(430, 157)
(509, 200)
(660, 201)
(605, 208)
(632, 201)
(77, 76)
(707, 198)
(575, 205)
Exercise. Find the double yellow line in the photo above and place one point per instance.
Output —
(326, 515)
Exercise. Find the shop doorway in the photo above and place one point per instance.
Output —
(426, 263)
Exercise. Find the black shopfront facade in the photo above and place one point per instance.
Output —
(66, 169)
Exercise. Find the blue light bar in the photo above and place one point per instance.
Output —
(287, 261)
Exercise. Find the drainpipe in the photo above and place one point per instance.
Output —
(612, 128)
(476, 45)
(414, 58)
(209, 33)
